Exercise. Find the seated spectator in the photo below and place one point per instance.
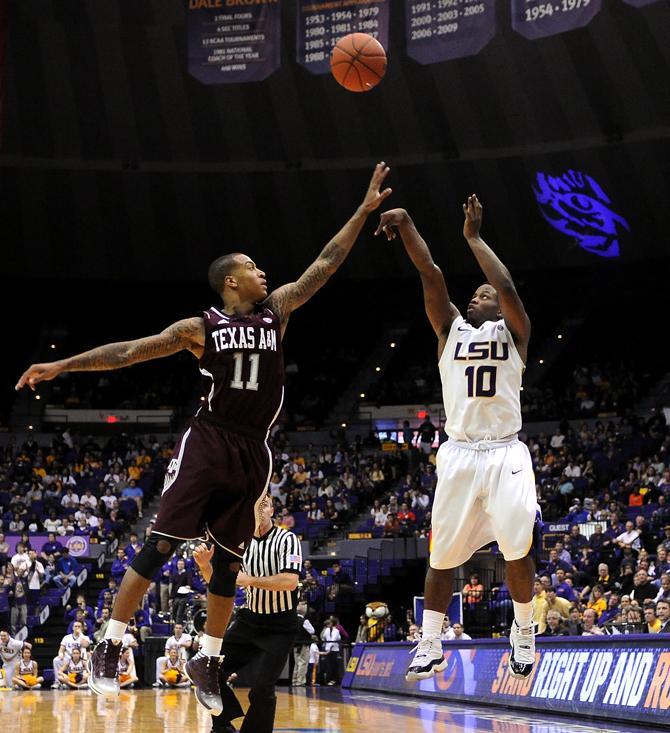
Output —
(381, 516)
(87, 626)
(663, 613)
(134, 492)
(473, 592)
(76, 640)
(126, 669)
(51, 547)
(629, 538)
(554, 602)
(459, 633)
(392, 527)
(597, 600)
(612, 611)
(643, 588)
(574, 623)
(67, 568)
(73, 674)
(52, 523)
(120, 565)
(413, 633)
(554, 625)
(27, 672)
(133, 547)
(564, 587)
(589, 625)
(102, 622)
(172, 671)
(652, 625)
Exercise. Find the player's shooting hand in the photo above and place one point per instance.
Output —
(203, 556)
(39, 373)
(374, 197)
(389, 220)
(474, 212)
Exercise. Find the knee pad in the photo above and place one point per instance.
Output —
(156, 551)
(225, 567)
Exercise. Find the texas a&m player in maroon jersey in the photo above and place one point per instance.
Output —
(221, 465)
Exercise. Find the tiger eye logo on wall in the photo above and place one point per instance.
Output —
(577, 206)
(77, 546)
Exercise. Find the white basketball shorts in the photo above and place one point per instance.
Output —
(485, 493)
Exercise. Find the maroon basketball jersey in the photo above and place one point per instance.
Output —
(243, 370)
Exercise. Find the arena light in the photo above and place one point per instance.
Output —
(541, 361)
(362, 395)
(560, 336)
(392, 344)
(37, 397)
(53, 346)
(378, 369)
(344, 425)
(30, 427)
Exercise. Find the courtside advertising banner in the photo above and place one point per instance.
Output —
(321, 23)
(536, 19)
(233, 43)
(441, 30)
(617, 677)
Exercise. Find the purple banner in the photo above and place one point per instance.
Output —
(441, 30)
(536, 19)
(617, 677)
(229, 45)
(321, 23)
(77, 544)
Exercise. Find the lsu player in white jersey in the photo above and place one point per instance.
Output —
(485, 482)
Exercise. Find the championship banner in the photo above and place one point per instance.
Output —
(441, 30)
(625, 677)
(640, 3)
(321, 23)
(230, 43)
(536, 19)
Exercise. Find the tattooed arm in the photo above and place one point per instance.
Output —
(186, 334)
(287, 298)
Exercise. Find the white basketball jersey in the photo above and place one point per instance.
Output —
(481, 371)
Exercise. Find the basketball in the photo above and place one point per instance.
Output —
(358, 62)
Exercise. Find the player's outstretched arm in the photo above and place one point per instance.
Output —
(497, 274)
(287, 298)
(439, 308)
(186, 334)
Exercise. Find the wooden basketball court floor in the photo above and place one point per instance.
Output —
(305, 710)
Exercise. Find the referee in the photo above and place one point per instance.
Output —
(263, 633)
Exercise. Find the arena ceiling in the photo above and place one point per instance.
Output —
(116, 163)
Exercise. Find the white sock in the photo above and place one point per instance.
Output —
(523, 614)
(432, 623)
(115, 630)
(211, 645)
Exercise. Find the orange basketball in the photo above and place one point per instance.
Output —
(358, 62)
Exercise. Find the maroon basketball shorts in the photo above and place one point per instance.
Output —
(213, 487)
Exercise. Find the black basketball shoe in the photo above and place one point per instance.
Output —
(203, 671)
(103, 668)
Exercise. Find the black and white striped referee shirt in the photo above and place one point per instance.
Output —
(277, 551)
